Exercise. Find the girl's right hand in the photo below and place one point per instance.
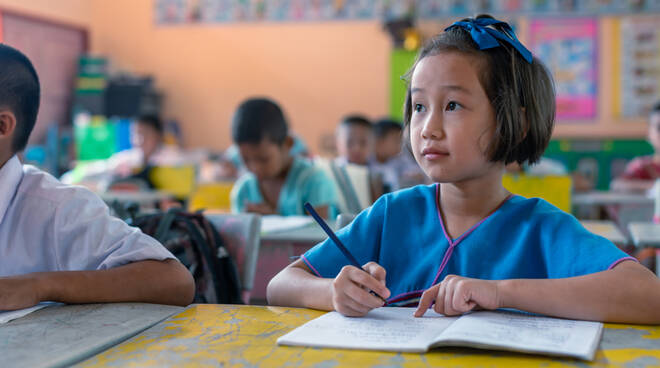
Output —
(350, 289)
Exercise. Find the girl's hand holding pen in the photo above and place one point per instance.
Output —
(350, 289)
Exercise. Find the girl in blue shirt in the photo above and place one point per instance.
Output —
(477, 100)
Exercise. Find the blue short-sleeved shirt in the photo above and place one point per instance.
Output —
(523, 238)
(304, 183)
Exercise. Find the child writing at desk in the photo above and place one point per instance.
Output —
(58, 242)
(477, 100)
(277, 182)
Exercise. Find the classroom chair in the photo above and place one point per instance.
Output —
(211, 196)
(355, 185)
(242, 237)
(177, 180)
(555, 189)
(344, 219)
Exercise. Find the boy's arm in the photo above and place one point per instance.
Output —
(149, 281)
(628, 293)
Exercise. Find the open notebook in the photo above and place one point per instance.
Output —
(395, 329)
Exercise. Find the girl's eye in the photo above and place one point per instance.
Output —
(453, 105)
(419, 108)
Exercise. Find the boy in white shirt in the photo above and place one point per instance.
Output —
(60, 243)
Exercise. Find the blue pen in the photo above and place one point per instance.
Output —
(337, 242)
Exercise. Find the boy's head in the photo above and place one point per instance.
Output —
(388, 139)
(19, 100)
(355, 139)
(654, 127)
(260, 131)
(147, 134)
(521, 93)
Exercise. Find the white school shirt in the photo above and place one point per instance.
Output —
(48, 226)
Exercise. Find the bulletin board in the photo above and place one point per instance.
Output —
(569, 48)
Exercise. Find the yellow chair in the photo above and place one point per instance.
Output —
(178, 180)
(555, 189)
(211, 196)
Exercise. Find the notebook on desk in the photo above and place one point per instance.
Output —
(395, 329)
(273, 223)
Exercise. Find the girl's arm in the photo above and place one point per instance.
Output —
(629, 293)
(296, 286)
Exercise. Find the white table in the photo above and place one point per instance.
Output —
(604, 198)
(607, 229)
(646, 234)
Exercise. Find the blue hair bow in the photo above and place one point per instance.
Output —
(487, 37)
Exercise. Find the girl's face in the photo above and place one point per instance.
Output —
(267, 159)
(452, 119)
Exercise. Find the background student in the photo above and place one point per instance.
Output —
(277, 182)
(354, 140)
(641, 173)
(477, 100)
(390, 160)
(57, 242)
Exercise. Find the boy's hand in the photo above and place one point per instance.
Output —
(260, 208)
(457, 295)
(350, 289)
(18, 292)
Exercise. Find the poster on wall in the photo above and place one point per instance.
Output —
(173, 12)
(640, 65)
(568, 47)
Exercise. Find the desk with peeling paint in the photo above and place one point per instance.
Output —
(244, 336)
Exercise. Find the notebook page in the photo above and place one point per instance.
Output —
(523, 332)
(389, 329)
(6, 316)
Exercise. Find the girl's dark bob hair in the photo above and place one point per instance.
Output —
(522, 95)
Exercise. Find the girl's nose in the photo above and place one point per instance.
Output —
(432, 128)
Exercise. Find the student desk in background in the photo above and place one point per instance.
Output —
(277, 249)
(61, 335)
(245, 336)
(647, 234)
(606, 229)
(603, 198)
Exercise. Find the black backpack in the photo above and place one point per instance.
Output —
(198, 245)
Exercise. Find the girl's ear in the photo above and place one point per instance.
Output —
(525, 123)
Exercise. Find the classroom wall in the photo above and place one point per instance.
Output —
(73, 12)
(317, 71)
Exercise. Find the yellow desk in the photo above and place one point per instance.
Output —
(244, 336)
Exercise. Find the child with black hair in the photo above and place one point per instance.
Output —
(477, 100)
(60, 243)
(277, 182)
(641, 173)
(395, 165)
(354, 140)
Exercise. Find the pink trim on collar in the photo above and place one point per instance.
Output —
(453, 243)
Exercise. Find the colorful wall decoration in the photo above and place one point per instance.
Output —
(568, 46)
(640, 65)
(173, 12)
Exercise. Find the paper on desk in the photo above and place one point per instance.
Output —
(273, 223)
(6, 316)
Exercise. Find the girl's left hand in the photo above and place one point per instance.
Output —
(457, 295)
